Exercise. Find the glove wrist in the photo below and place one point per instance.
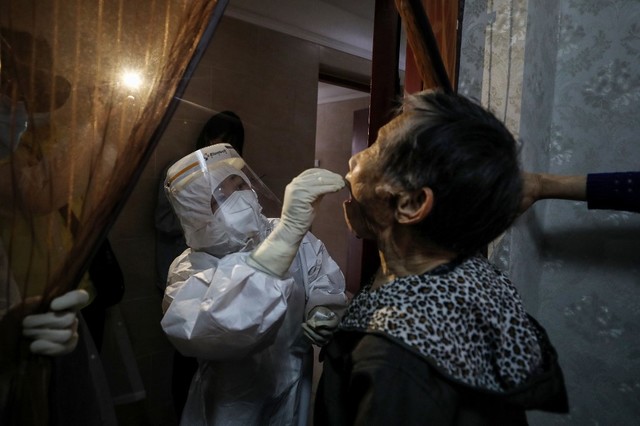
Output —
(275, 255)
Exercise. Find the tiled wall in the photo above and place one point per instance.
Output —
(270, 81)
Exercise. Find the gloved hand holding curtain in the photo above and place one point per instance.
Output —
(56, 332)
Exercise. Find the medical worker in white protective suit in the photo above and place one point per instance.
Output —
(250, 294)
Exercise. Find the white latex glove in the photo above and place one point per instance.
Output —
(275, 254)
(322, 322)
(56, 332)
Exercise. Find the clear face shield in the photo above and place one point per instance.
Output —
(219, 200)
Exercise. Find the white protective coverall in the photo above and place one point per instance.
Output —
(245, 325)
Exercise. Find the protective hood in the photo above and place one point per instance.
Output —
(217, 224)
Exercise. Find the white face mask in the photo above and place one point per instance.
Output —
(237, 225)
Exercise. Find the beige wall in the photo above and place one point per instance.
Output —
(334, 131)
(270, 81)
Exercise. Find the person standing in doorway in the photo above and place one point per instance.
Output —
(251, 294)
(223, 127)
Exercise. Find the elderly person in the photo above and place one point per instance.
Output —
(248, 290)
(439, 336)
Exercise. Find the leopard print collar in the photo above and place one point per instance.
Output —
(466, 319)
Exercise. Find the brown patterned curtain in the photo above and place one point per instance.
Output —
(85, 87)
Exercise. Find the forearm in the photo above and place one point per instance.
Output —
(562, 187)
(302, 194)
(609, 191)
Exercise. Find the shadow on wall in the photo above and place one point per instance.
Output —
(583, 243)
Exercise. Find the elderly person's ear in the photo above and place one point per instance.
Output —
(412, 207)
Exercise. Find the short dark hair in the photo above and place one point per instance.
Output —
(225, 127)
(469, 159)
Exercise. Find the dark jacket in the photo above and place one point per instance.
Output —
(370, 379)
(614, 191)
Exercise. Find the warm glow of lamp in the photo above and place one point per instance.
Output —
(132, 79)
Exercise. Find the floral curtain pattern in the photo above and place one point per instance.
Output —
(577, 269)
